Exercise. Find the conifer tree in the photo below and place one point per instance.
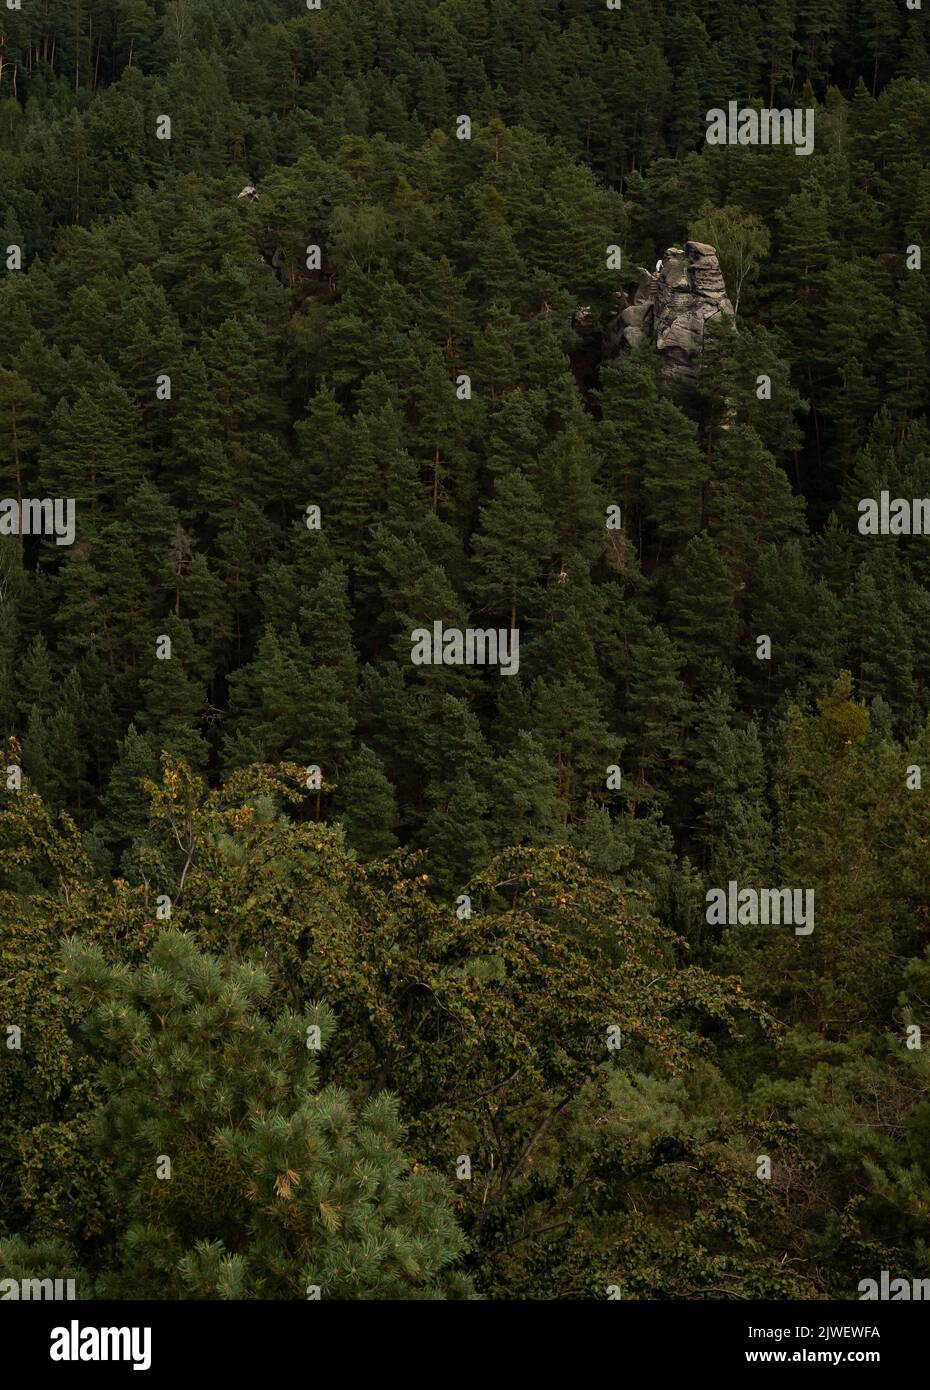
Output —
(222, 1098)
(368, 805)
(511, 548)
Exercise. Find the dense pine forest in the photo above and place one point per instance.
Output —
(328, 973)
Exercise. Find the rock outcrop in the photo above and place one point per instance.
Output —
(671, 308)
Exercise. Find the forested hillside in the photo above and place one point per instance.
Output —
(321, 363)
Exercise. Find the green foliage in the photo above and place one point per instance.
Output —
(274, 1184)
(343, 388)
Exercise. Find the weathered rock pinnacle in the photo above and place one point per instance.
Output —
(671, 308)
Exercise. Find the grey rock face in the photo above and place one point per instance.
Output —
(671, 308)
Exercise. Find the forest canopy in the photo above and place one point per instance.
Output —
(407, 969)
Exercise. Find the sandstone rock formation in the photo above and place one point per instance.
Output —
(671, 309)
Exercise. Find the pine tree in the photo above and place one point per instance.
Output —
(454, 832)
(527, 808)
(701, 594)
(36, 681)
(126, 804)
(173, 696)
(368, 805)
(751, 503)
(224, 1086)
(20, 407)
(729, 764)
(511, 548)
(656, 709)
